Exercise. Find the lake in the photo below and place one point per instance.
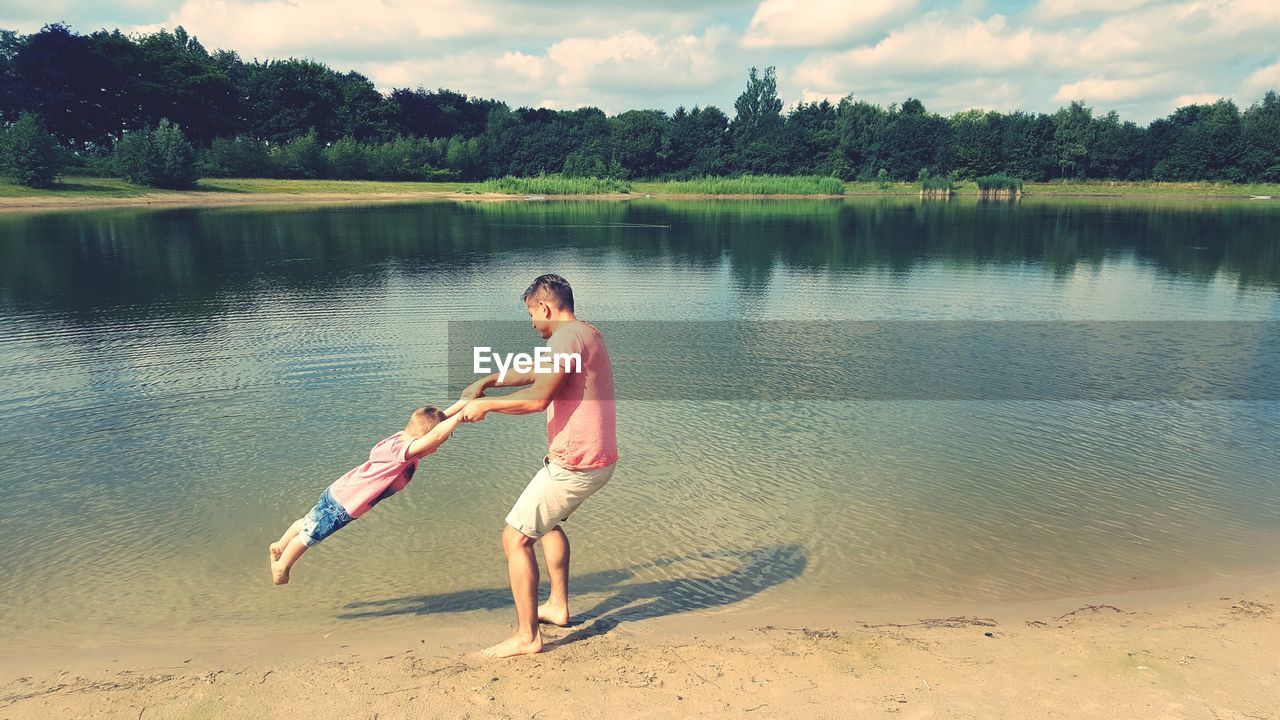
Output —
(176, 386)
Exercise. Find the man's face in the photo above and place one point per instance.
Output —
(540, 315)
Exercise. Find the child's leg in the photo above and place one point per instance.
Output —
(280, 567)
(278, 547)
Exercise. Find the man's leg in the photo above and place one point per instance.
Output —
(522, 571)
(555, 547)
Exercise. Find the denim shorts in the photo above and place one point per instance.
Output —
(323, 520)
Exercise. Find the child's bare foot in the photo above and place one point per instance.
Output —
(553, 614)
(279, 573)
(513, 646)
(277, 549)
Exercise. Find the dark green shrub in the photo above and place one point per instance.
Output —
(156, 158)
(29, 154)
(348, 159)
(241, 157)
(301, 158)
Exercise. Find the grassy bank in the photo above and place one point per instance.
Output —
(88, 191)
(550, 185)
(94, 187)
(747, 185)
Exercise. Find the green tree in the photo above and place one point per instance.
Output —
(347, 159)
(758, 142)
(810, 137)
(977, 142)
(1260, 140)
(1202, 142)
(640, 142)
(157, 158)
(758, 108)
(859, 127)
(181, 82)
(1116, 151)
(914, 140)
(1072, 139)
(240, 156)
(287, 99)
(135, 158)
(10, 101)
(301, 158)
(177, 158)
(29, 154)
(698, 142)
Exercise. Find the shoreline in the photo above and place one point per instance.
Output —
(1201, 651)
(369, 193)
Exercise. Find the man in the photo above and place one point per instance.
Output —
(583, 449)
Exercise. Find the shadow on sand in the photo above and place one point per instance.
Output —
(684, 583)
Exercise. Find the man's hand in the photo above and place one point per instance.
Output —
(475, 389)
(474, 412)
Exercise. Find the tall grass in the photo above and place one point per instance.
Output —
(931, 185)
(752, 185)
(551, 185)
(998, 184)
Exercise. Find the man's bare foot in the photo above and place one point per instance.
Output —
(553, 614)
(514, 645)
(277, 549)
(279, 573)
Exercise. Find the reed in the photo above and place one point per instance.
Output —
(998, 185)
(551, 185)
(751, 185)
(936, 185)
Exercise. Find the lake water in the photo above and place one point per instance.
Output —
(177, 386)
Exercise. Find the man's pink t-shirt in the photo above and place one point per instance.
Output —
(582, 417)
(384, 474)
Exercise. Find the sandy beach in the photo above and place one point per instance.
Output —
(1162, 655)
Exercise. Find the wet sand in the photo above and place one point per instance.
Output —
(1153, 656)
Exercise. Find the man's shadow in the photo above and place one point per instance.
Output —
(686, 583)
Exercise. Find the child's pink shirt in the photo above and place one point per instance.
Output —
(384, 474)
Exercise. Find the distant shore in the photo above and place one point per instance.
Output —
(1207, 652)
(100, 193)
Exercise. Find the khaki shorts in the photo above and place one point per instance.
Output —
(552, 496)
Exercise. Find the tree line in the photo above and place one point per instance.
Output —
(161, 109)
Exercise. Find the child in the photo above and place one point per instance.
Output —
(389, 469)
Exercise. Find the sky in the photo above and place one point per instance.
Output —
(1141, 58)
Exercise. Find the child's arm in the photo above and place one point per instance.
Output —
(454, 408)
(435, 437)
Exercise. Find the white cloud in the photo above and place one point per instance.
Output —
(278, 27)
(1136, 56)
(1101, 89)
(615, 73)
(636, 60)
(1190, 35)
(1262, 80)
(1061, 9)
(528, 66)
(936, 43)
(1195, 99)
(815, 23)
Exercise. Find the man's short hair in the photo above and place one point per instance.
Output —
(553, 287)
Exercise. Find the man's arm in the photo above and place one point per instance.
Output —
(511, 379)
(533, 399)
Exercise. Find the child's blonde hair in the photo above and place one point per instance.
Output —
(423, 419)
